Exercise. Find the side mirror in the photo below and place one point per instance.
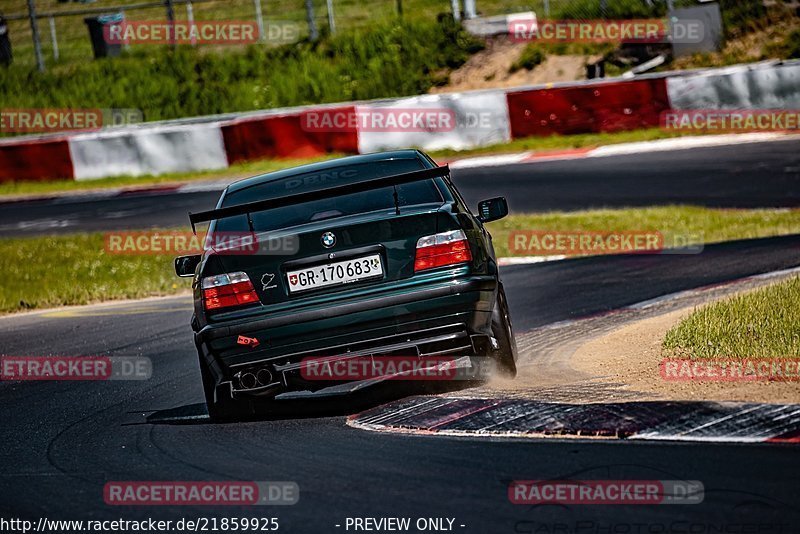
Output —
(492, 209)
(185, 266)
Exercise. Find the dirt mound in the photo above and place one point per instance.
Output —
(490, 68)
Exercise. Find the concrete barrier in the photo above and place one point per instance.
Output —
(292, 135)
(772, 86)
(35, 159)
(479, 118)
(466, 120)
(138, 152)
(601, 107)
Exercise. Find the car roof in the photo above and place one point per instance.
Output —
(323, 166)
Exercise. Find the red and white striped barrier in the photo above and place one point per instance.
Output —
(472, 119)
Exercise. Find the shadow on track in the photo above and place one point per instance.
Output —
(338, 406)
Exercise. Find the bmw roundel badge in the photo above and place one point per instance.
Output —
(328, 239)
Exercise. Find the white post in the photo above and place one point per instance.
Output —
(53, 37)
(313, 34)
(456, 5)
(259, 20)
(126, 45)
(171, 20)
(331, 21)
(470, 11)
(190, 20)
(37, 43)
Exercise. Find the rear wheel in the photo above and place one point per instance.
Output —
(506, 353)
(220, 409)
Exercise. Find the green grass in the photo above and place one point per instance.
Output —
(710, 225)
(762, 324)
(350, 15)
(44, 272)
(374, 54)
(242, 170)
(773, 37)
(788, 47)
(738, 16)
(532, 56)
(379, 61)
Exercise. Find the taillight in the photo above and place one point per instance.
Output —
(439, 250)
(226, 290)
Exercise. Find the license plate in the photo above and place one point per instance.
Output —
(340, 272)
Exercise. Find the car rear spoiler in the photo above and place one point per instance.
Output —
(288, 200)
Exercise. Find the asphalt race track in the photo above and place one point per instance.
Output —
(61, 441)
(745, 176)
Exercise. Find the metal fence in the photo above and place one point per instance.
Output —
(63, 36)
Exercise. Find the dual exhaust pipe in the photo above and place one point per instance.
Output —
(253, 380)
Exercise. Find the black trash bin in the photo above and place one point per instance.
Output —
(97, 25)
(5, 44)
(596, 70)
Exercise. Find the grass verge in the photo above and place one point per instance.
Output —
(350, 15)
(393, 58)
(712, 225)
(762, 324)
(45, 272)
(242, 170)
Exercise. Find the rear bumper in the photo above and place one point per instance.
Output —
(452, 317)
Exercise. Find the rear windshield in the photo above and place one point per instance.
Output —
(411, 194)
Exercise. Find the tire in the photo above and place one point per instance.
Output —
(220, 410)
(506, 353)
